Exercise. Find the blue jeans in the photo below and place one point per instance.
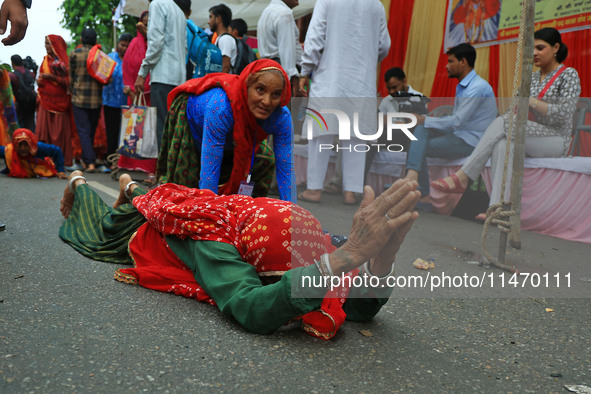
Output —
(433, 143)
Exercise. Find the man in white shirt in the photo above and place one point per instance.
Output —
(343, 65)
(278, 38)
(165, 56)
(395, 79)
(220, 17)
(401, 98)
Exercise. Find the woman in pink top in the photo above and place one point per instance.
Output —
(136, 52)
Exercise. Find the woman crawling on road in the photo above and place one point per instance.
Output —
(221, 249)
(216, 130)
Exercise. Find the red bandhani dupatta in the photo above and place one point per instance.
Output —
(272, 235)
(247, 133)
(29, 166)
(53, 96)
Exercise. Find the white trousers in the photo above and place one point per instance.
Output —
(492, 145)
(353, 162)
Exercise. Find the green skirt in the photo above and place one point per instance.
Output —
(99, 231)
(179, 160)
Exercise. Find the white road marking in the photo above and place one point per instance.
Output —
(99, 186)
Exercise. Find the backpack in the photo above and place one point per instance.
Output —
(202, 53)
(244, 56)
(25, 95)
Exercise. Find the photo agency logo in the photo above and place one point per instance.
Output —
(396, 122)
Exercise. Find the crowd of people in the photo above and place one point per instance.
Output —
(223, 138)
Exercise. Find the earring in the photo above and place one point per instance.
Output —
(554, 55)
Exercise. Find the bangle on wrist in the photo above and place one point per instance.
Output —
(380, 278)
(535, 104)
(323, 265)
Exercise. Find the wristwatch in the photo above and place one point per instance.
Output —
(27, 3)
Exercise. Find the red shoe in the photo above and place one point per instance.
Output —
(481, 217)
(442, 185)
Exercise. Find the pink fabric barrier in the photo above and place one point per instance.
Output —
(555, 201)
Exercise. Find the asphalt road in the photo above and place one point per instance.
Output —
(67, 326)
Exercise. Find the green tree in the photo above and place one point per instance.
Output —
(79, 14)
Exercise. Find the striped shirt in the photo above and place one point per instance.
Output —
(87, 92)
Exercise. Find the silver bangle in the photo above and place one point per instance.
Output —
(323, 265)
(126, 191)
(71, 182)
(326, 258)
(382, 279)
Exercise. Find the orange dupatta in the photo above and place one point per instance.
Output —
(53, 95)
(28, 166)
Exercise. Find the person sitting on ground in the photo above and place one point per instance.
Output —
(554, 93)
(27, 158)
(401, 98)
(456, 135)
(215, 123)
(223, 248)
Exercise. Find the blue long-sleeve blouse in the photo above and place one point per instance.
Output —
(45, 150)
(211, 121)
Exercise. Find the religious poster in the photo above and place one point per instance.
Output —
(488, 22)
(472, 21)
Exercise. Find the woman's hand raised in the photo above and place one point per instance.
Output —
(379, 227)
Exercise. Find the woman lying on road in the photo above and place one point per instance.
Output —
(221, 249)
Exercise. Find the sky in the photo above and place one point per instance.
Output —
(44, 18)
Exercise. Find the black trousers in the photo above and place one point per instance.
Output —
(113, 125)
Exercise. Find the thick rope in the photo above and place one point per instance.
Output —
(495, 214)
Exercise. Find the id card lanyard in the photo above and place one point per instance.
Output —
(246, 187)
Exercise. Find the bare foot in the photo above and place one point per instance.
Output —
(124, 180)
(310, 195)
(67, 200)
(349, 198)
(89, 167)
